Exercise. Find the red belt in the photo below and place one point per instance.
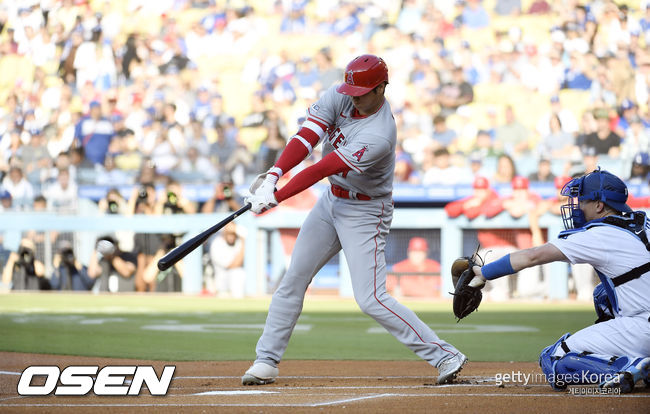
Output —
(341, 192)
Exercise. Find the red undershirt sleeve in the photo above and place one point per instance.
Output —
(299, 147)
(329, 165)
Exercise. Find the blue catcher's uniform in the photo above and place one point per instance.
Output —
(618, 249)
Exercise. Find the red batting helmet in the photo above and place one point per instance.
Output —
(363, 74)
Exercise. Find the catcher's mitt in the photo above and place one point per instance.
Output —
(466, 298)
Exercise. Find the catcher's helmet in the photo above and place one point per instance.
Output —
(363, 74)
(599, 185)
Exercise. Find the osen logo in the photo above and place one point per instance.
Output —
(81, 379)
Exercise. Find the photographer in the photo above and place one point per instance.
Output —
(169, 280)
(142, 200)
(69, 274)
(114, 268)
(23, 271)
(174, 202)
(148, 245)
(113, 203)
(223, 200)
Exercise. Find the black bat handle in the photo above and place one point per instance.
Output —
(184, 249)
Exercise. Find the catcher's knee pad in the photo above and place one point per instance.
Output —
(549, 358)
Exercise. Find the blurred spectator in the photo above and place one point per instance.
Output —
(539, 7)
(602, 89)
(483, 144)
(62, 196)
(228, 154)
(628, 112)
(94, 134)
(23, 271)
(112, 268)
(69, 274)
(576, 75)
(22, 192)
(455, 93)
(474, 15)
(512, 135)
(604, 140)
(635, 140)
(169, 280)
(6, 203)
(35, 157)
(271, 148)
(328, 74)
(417, 275)
(227, 256)
(441, 132)
(557, 143)
(505, 171)
(543, 173)
(443, 172)
(640, 169)
(568, 122)
(405, 171)
(109, 174)
(507, 7)
(94, 62)
(195, 167)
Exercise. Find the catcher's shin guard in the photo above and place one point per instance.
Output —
(563, 368)
(549, 358)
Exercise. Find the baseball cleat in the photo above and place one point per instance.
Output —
(641, 371)
(626, 380)
(449, 368)
(259, 374)
(622, 380)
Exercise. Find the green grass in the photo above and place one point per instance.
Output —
(114, 326)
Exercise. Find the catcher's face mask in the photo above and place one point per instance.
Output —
(599, 185)
(572, 216)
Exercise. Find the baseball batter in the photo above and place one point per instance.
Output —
(355, 124)
(603, 231)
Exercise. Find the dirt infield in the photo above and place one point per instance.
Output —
(322, 386)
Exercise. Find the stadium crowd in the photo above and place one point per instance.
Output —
(155, 95)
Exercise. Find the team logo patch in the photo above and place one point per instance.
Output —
(315, 107)
(360, 153)
(349, 77)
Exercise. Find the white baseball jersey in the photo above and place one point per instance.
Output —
(365, 143)
(612, 251)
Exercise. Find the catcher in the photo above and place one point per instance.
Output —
(602, 230)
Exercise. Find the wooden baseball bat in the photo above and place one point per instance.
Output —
(184, 249)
